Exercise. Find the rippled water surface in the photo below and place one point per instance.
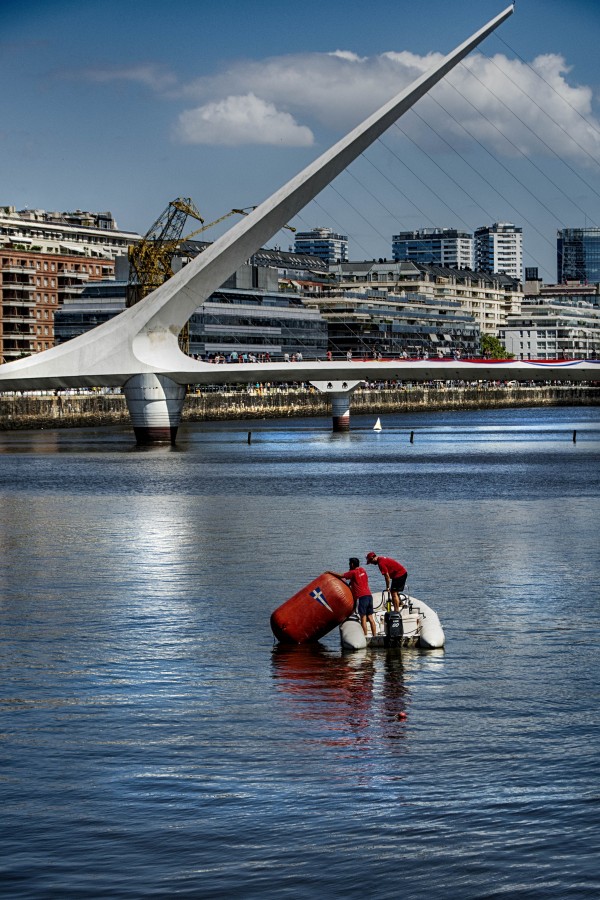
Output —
(155, 743)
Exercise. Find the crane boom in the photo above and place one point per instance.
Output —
(150, 259)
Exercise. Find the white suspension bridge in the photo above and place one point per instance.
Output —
(138, 350)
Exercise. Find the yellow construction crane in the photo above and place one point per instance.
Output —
(150, 260)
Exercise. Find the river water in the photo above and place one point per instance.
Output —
(155, 743)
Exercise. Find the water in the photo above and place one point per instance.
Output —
(155, 744)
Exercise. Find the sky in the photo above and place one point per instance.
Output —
(124, 106)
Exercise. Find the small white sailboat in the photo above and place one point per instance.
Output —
(377, 425)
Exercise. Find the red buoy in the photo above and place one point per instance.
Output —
(313, 611)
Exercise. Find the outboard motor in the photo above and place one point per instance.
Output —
(394, 629)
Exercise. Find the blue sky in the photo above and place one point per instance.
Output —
(123, 106)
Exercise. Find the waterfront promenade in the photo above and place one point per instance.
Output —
(73, 409)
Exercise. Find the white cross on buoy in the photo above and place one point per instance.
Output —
(318, 595)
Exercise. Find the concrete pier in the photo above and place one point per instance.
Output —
(155, 404)
(340, 395)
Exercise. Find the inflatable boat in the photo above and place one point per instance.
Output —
(417, 625)
(327, 602)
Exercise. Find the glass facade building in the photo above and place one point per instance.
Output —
(578, 255)
(442, 246)
(323, 243)
(246, 322)
(98, 302)
(231, 320)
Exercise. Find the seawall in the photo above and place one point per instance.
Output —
(69, 410)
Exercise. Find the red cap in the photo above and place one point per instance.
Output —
(371, 556)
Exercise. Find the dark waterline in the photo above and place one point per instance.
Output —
(155, 743)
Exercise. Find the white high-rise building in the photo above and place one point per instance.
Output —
(499, 248)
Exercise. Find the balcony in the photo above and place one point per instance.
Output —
(70, 290)
(17, 298)
(17, 334)
(71, 274)
(13, 350)
(19, 270)
(12, 278)
(14, 317)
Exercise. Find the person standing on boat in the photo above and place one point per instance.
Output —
(358, 581)
(394, 573)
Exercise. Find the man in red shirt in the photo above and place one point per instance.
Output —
(394, 574)
(358, 581)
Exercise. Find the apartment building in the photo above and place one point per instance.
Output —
(369, 322)
(558, 328)
(46, 258)
(68, 233)
(33, 286)
(488, 298)
(499, 249)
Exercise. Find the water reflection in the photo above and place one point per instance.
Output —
(349, 700)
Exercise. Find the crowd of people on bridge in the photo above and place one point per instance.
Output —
(349, 355)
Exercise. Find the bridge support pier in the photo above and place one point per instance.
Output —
(340, 393)
(155, 403)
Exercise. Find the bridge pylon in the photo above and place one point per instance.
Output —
(340, 394)
(155, 403)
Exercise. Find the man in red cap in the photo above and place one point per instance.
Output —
(393, 572)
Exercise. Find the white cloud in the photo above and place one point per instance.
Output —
(147, 74)
(241, 119)
(508, 107)
(339, 89)
(282, 99)
(349, 55)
